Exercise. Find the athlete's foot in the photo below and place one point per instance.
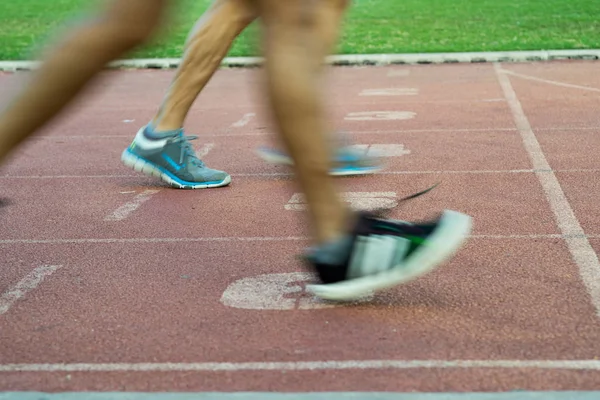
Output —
(379, 254)
(170, 157)
(349, 160)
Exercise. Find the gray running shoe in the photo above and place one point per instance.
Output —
(171, 157)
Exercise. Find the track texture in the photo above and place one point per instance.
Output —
(154, 284)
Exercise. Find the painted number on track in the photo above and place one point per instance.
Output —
(382, 150)
(390, 92)
(366, 201)
(380, 115)
(285, 291)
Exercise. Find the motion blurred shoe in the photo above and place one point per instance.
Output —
(349, 160)
(170, 157)
(380, 253)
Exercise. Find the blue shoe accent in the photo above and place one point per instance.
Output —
(348, 161)
(170, 161)
(147, 167)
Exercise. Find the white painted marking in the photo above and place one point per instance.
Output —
(439, 172)
(582, 252)
(154, 240)
(204, 150)
(285, 291)
(550, 82)
(126, 209)
(25, 285)
(284, 174)
(129, 192)
(581, 365)
(382, 150)
(380, 115)
(390, 92)
(366, 201)
(244, 121)
(353, 132)
(116, 176)
(235, 239)
(398, 73)
(128, 121)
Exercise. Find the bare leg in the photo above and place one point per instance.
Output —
(208, 44)
(68, 69)
(294, 58)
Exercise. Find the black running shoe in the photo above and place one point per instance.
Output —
(381, 253)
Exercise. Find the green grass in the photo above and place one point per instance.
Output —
(371, 26)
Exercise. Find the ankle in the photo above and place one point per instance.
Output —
(338, 228)
(154, 133)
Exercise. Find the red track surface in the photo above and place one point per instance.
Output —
(152, 294)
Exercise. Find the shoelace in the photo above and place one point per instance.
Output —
(187, 150)
(407, 227)
(384, 213)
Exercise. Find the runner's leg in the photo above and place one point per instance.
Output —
(294, 61)
(354, 254)
(207, 45)
(161, 149)
(75, 62)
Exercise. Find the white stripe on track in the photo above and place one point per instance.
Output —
(582, 252)
(25, 285)
(581, 365)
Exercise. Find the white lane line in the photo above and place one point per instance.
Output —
(248, 239)
(255, 395)
(152, 240)
(126, 209)
(550, 82)
(353, 132)
(25, 285)
(244, 121)
(289, 174)
(582, 252)
(283, 174)
(400, 131)
(582, 365)
(117, 176)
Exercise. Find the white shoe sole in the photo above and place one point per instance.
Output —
(452, 232)
(140, 165)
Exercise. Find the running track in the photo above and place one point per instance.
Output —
(111, 281)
